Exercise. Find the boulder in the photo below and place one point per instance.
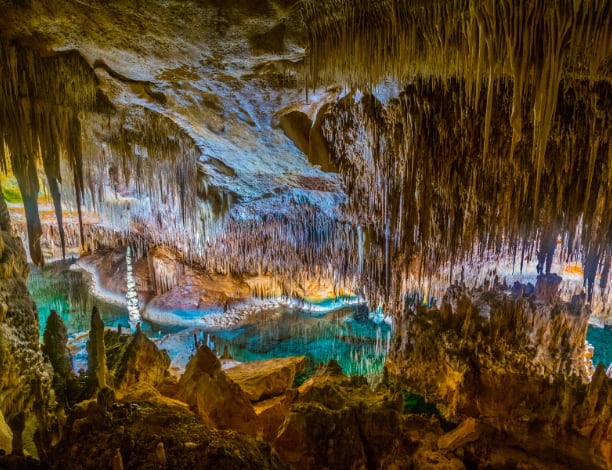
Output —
(468, 431)
(273, 412)
(266, 378)
(214, 396)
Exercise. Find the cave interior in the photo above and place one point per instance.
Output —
(306, 234)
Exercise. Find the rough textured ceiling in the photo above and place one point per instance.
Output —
(499, 139)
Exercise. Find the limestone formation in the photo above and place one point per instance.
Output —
(134, 359)
(143, 434)
(96, 353)
(266, 378)
(513, 361)
(214, 396)
(25, 375)
(412, 152)
(54, 347)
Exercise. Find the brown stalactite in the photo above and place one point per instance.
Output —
(26, 173)
(5, 218)
(458, 204)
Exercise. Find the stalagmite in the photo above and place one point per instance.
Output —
(55, 337)
(131, 295)
(96, 355)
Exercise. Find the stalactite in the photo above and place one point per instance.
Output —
(41, 98)
(527, 53)
(417, 185)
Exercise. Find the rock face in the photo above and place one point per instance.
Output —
(214, 397)
(25, 376)
(153, 434)
(134, 359)
(513, 359)
(266, 378)
(339, 422)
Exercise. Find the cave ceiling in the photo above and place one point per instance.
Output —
(435, 132)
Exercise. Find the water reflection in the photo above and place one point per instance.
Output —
(347, 334)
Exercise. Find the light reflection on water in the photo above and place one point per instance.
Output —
(347, 334)
(601, 340)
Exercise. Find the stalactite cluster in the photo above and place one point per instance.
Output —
(421, 188)
(502, 135)
(362, 42)
(132, 167)
(299, 244)
(142, 175)
(41, 98)
(302, 242)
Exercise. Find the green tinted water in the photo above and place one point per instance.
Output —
(358, 344)
(602, 341)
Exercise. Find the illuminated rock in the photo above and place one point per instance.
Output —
(214, 397)
(266, 378)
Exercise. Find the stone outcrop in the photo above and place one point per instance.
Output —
(339, 422)
(25, 375)
(273, 412)
(511, 358)
(156, 433)
(266, 378)
(96, 353)
(134, 359)
(214, 397)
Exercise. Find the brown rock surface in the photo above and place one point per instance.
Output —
(141, 429)
(338, 422)
(296, 126)
(513, 361)
(266, 378)
(273, 412)
(134, 359)
(214, 397)
(468, 431)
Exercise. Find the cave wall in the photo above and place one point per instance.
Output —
(25, 375)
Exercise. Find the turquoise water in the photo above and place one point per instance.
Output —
(602, 341)
(68, 292)
(346, 334)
